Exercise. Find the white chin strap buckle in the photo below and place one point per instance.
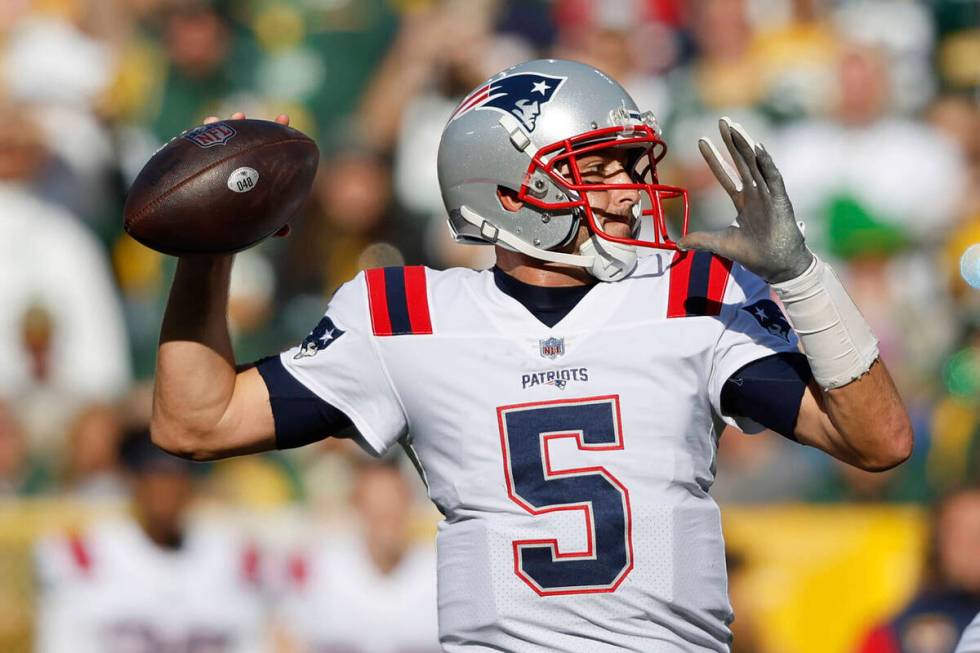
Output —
(605, 260)
(490, 232)
(610, 261)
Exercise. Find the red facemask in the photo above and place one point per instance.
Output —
(642, 167)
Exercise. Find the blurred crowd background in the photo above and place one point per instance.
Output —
(871, 108)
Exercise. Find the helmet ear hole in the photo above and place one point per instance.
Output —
(508, 198)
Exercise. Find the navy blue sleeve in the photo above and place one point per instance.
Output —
(769, 391)
(301, 417)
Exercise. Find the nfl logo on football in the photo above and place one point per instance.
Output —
(552, 347)
(210, 135)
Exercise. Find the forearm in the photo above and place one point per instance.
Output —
(862, 423)
(195, 376)
(854, 411)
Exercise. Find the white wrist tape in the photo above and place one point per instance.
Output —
(835, 337)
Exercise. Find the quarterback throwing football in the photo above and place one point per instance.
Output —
(565, 406)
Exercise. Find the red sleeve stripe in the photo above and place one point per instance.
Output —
(79, 553)
(378, 300)
(251, 565)
(680, 273)
(298, 570)
(399, 301)
(417, 297)
(697, 284)
(720, 272)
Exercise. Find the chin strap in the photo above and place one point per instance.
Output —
(605, 260)
(610, 261)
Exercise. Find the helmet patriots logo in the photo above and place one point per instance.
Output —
(522, 95)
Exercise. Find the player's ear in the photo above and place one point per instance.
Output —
(508, 199)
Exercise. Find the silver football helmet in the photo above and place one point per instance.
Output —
(523, 130)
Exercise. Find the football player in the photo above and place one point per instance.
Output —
(371, 593)
(153, 583)
(565, 406)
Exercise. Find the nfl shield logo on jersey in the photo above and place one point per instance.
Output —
(217, 133)
(552, 347)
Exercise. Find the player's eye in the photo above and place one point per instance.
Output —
(593, 175)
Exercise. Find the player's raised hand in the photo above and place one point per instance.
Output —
(765, 237)
(282, 119)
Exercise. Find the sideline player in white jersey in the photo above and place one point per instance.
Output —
(970, 641)
(565, 406)
(373, 591)
(150, 584)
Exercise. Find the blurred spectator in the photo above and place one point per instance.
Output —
(842, 483)
(954, 455)
(197, 42)
(92, 467)
(724, 73)
(251, 299)
(761, 468)
(339, 459)
(796, 61)
(959, 118)
(950, 597)
(959, 40)
(633, 42)
(21, 474)
(723, 78)
(880, 191)
(154, 582)
(349, 228)
(345, 42)
(51, 62)
(429, 75)
(860, 178)
(62, 336)
(49, 59)
(904, 34)
(262, 482)
(374, 593)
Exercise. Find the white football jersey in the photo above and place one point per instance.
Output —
(970, 641)
(334, 600)
(111, 590)
(572, 464)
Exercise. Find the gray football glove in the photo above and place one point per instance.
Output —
(765, 238)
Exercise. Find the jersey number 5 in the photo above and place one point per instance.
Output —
(527, 432)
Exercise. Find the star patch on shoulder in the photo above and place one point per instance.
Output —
(325, 333)
(768, 315)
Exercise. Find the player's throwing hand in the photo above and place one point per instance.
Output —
(765, 237)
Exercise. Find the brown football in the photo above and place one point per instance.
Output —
(221, 187)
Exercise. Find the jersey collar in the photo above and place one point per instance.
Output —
(548, 304)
